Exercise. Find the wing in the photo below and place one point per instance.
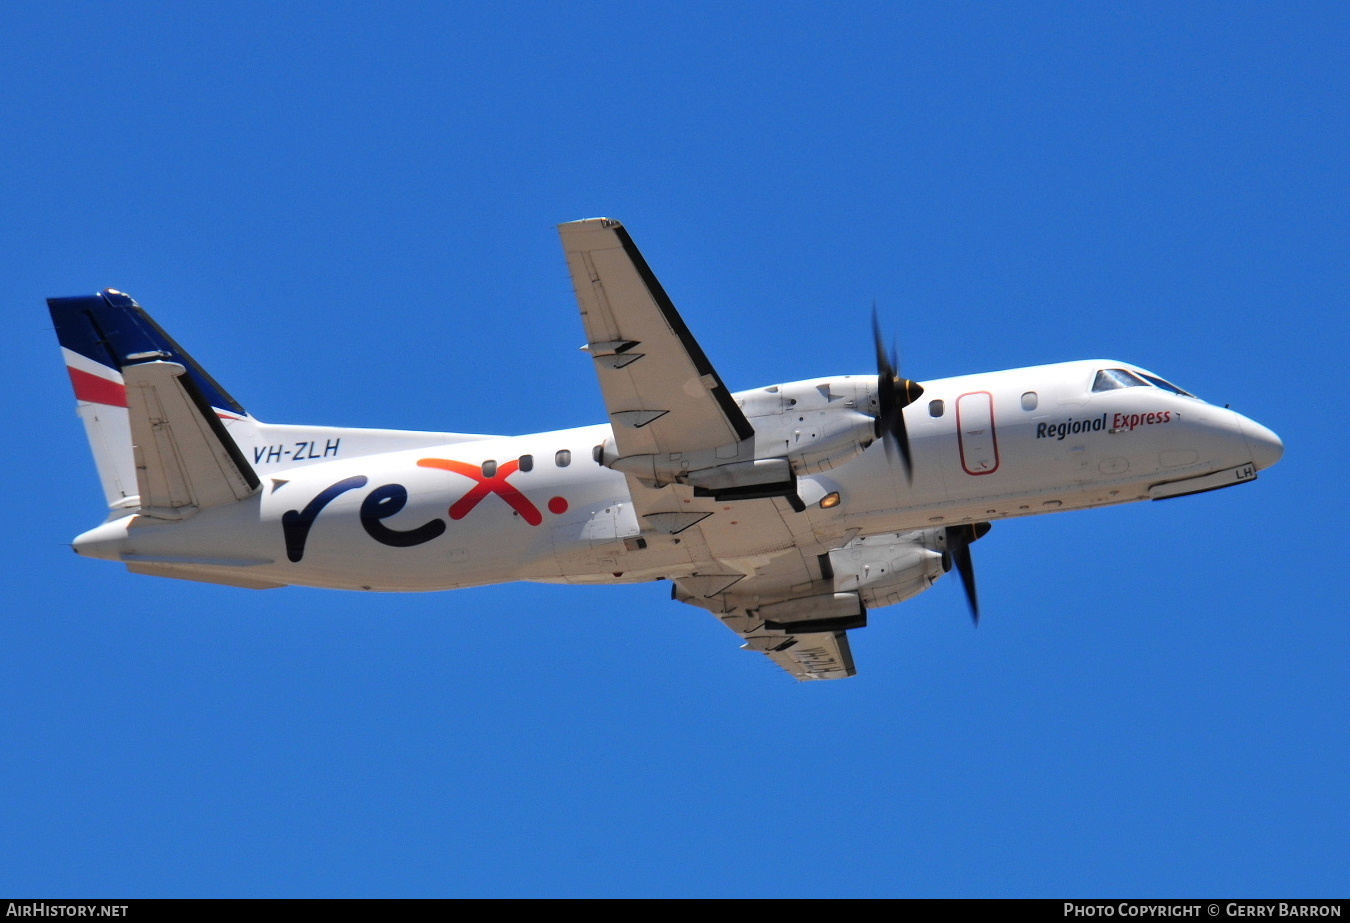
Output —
(662, 393)
(788, 610)
(664, 398)
(759, 564)
(795, 607)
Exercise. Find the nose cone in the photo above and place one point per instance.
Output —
(1266, 447)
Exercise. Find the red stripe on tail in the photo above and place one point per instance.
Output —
(97, 390)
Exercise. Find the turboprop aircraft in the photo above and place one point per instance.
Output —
(789, 511)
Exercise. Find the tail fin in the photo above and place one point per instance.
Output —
(101, 337)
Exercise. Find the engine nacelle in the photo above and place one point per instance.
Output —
(816, 425)
(888, 569)
(806, 427)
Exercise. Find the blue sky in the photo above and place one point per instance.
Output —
(346, 212)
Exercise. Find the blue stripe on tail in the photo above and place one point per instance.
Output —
(113, 330)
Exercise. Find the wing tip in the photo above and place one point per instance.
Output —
(591, 224)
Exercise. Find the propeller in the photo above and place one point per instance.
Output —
(958, 547)
(894, 394)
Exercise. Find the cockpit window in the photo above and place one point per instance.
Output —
(1167, 385)
(1111, 379)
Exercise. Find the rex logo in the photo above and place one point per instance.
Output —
(390, 499)
(496, 484)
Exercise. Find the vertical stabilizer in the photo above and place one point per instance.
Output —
(102, 335)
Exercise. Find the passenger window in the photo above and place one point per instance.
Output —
(936, 408)
(1111, 379)
(598, 454)
(563, 458)
(527, 463)
(489, 469)
(1029, 400)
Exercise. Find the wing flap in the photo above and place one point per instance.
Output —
(823, 655)
(185, 460)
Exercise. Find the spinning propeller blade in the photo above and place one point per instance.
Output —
(958, 546)
(894, 394)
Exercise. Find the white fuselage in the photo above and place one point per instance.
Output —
(431, 517)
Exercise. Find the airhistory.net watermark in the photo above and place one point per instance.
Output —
(82, 909)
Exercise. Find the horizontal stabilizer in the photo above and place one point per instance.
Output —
(185, 460)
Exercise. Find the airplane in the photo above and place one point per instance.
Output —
(789, 512)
